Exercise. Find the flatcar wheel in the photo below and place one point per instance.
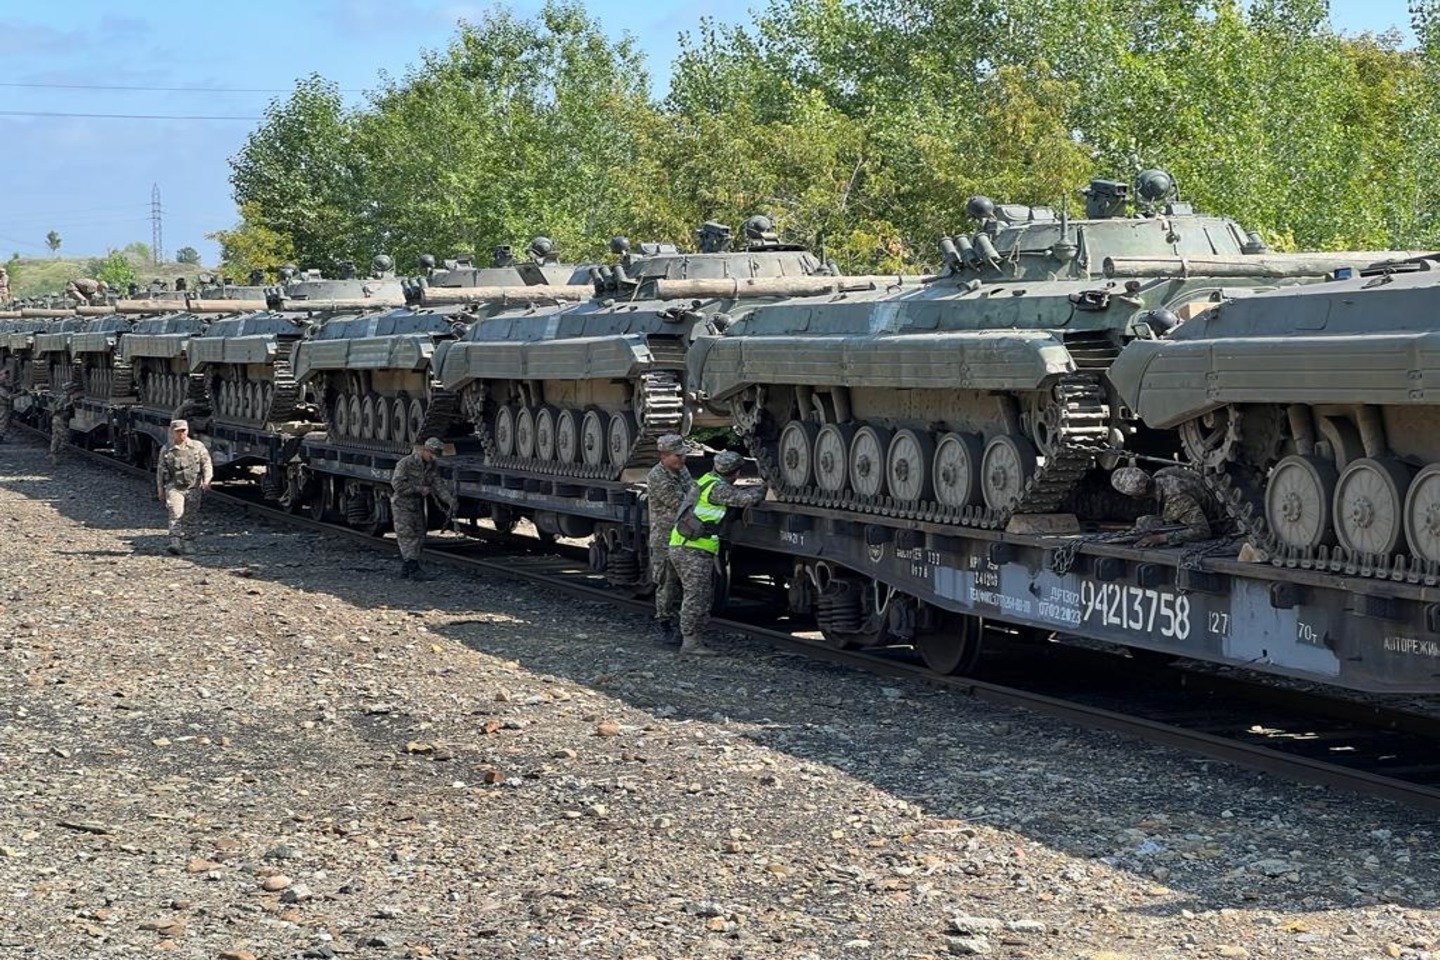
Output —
(832, 449)
(567, 437)
(797, 445)
(525, 433)
(956, 474)
(1005, 468)
(367, 418)
(907, 466)
(384, 419)
(954, 647)
(1369, 507)
(545, 433)
(319, 504)
(1422, 514)
(1298, 498)
(620, 438)
(378, 523)
(594, 431)
(505, 431)
(868, 449)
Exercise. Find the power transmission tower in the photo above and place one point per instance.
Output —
(157, 226)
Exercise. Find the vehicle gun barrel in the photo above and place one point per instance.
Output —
(1275, 265)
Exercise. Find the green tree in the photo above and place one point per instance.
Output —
(519, 126)
(251, 245)
(115, 269)
(296, 173)
(52, 240)
(187, 255)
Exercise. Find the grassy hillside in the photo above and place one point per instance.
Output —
(32, 277)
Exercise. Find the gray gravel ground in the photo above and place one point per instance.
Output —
(274, 749)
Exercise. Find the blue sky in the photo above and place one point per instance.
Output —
(90, 179)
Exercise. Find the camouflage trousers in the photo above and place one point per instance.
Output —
(182, 511)
(666, 579)
(7, 409)
(57, 441)
(696, 570)
(409, 519)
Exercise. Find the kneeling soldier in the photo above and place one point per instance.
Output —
(1182, 496)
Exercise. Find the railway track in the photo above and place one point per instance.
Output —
(1377, 751)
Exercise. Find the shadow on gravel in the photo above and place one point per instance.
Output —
(1217, 836)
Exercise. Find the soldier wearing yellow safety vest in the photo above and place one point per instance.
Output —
(695, 543)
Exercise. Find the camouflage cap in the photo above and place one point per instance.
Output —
(672, 443)
(728, 461)
(180, 425)
(1131, 481)
(435, 445)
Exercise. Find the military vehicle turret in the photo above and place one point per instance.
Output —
(54, 370)
(982, 394)
(1311, 412)
(585, 391)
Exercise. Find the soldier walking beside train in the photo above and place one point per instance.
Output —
(1182, 495)
(695, 543)
(183, 472)
(411, 482)
(667, 486)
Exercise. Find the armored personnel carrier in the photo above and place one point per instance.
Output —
(156, 350)
(53, 368)
(17, 349)
(246, 360)
(982, 394)
(1309, 411)
(373, 375)
(584, 391)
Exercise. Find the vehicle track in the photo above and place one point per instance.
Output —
(1304, 736)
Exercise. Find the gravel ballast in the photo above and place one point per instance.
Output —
(274, 748)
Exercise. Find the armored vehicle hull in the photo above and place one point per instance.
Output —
(584, 392)
(372, 378)
(157, 350)
(1312, 412)
(985, 394)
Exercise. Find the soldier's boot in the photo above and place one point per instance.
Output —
(176, 546)
(408, 568)
(693, 647)
(666, 628)
(418, 572)
(187, 547)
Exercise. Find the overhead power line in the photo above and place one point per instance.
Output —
(110, 86)
(118, 116)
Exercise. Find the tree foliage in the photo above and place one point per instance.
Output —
(187, 255)
(863, 123)
(52, 240)
(114, 268)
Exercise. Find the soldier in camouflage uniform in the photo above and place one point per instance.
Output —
(7, 404)
(59, 431)
(695, 547)
(4, 286)
(412, 481)
(1183, 500)
(667, 485)
(182, 473)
